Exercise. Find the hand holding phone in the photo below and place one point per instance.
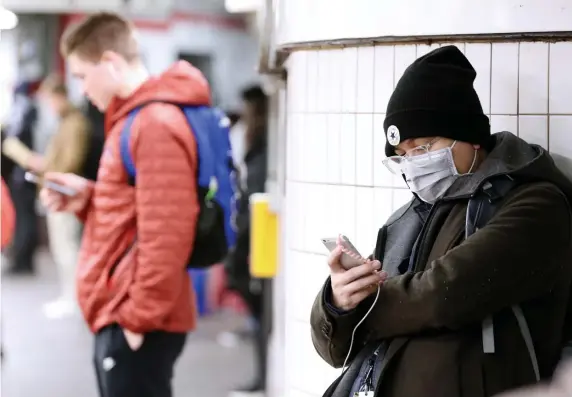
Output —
(356, 280)
(33, 178)
(65, 192)
(350, 256)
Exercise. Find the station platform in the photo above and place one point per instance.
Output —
(53, 357)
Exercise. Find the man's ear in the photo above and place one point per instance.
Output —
(476, 147)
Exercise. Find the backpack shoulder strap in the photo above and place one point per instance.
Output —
(483, 205)
(124, 150)
(525, 332)
(480, 209)
(199, 119)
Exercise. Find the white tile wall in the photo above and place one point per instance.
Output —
(335, 180)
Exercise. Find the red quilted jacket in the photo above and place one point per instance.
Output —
(142, 284)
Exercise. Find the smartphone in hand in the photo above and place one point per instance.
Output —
(66, 191)
(348, 260)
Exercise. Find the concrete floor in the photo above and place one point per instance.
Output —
(52, 358)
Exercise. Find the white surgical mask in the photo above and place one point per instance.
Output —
(430, 175)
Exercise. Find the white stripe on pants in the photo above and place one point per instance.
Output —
(64, 234)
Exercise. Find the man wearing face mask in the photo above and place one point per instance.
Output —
(437, 303)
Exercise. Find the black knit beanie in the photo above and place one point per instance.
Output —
(435, 97)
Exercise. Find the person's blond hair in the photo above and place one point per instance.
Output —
(98, 33)
(54, 84)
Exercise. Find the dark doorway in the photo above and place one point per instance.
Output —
(204, 63)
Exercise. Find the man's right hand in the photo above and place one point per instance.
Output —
(350, 287)
(58, 202)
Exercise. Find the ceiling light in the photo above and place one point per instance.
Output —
(8, 20)
(242, 6)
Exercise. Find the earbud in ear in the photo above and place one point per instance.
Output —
(112, 71)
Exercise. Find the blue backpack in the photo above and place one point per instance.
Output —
(216, 181)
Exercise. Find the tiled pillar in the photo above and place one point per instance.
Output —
(335, 143)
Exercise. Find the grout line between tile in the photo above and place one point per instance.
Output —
(341, 58)
(356, 134)
(491, 81)
(373, 124)
(383, 113)
(518, 90)
(393, 67)
(548, 100)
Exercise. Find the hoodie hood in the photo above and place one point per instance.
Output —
(181, 84)
(514, 157)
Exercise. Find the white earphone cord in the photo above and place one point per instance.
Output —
(356, 327)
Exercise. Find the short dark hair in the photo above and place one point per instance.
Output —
(253, 93)
(233, 117)
(257, 119)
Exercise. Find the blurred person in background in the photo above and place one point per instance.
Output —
(7, 164)
(132, 281)
(66, 152)
(237, 132)
(238, 145)
(19, 139)
(253, 177)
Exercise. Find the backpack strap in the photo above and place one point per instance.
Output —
(200, 120)
(483, 206)
(480, 210)
(525, 332)
(124, 151)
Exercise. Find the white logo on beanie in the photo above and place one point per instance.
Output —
(393, 135)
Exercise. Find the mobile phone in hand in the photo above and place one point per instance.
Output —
(350, 260)
(56, 187)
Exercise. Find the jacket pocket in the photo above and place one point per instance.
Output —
(120, 280)
(119, 264)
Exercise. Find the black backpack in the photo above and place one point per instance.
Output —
(480, 210)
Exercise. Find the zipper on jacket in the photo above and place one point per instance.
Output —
(367, 383)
